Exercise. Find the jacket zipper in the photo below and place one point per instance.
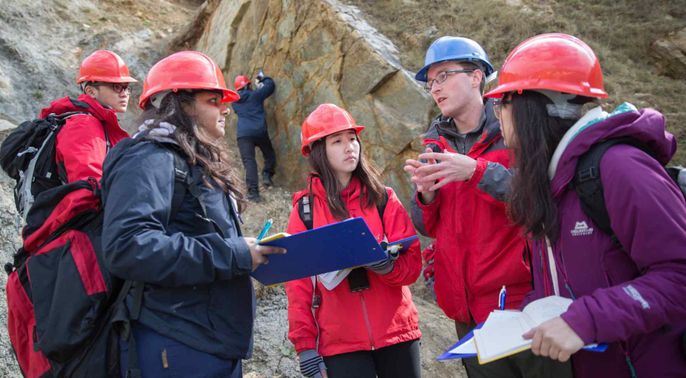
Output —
(366, 321)
(563, 270)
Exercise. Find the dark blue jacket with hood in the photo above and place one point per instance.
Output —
(250, 110)
(196, 269)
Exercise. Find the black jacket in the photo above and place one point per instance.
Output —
(250, 110)
(198, 289)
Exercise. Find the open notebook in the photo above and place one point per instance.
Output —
(501, 334)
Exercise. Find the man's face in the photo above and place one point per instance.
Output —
(457, 91)
(113, 95)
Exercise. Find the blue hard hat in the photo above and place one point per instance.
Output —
(454, 48)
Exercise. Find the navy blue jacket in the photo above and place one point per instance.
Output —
(198, 289)
(250, 110)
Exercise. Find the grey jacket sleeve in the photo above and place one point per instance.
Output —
(496, 181)
(416, 215)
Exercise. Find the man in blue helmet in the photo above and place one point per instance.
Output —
(462, 181)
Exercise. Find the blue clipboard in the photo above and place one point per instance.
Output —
(449, 356)
(404, 243)
(336, 246)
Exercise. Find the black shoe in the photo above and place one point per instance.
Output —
(267, 179)
(254, 197)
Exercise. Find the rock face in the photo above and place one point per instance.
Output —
(43, 42)
(317, 52)
(670, 53)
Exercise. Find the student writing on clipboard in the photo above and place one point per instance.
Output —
(364, 322)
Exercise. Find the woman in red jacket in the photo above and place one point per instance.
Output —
(362, 324)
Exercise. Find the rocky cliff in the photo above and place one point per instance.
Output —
(360, 57)
(321, 51)
(316, 51)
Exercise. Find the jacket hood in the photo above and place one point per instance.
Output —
(646, 126)
(83, 103)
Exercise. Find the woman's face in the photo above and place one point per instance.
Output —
(210, 114)
(503, 111)
(343, 153)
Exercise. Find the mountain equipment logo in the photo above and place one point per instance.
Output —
(581, 229)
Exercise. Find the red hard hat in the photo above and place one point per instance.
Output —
(185, 70)
(554, 61)
(240, 81)
(327, 119)
(105, 66)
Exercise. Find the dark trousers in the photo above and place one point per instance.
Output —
(160, 356)
(395, 361)
(521, 365)
(246, 146)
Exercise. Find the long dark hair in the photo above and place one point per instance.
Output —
(370, 180)
(211, 155)
(536, 135)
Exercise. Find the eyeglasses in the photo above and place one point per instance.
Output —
(443, 76)
(118, 88)
(498, 104)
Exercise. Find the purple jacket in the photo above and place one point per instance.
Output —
(635, 300)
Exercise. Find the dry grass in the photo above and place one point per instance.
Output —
(620, 32)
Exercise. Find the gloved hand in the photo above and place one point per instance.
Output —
(260, 75)
(381, 267)
(311, 363)
(385, 266)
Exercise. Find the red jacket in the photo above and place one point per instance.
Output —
(83, 141)
(380, 316)
(477, 248)
(80, 150)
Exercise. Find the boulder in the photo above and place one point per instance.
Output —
(317, 52)
(670, 54)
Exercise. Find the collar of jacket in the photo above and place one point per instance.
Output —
(352, 191)
(84, 103)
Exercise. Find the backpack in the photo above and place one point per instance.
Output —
(589, 187)
(65, 312)
(28, 156)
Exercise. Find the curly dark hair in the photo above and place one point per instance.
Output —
(211, 155)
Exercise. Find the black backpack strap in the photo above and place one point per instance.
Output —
(381, 208)
(181, 178)
(589, 187)
(133, 368)
(305, 211)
